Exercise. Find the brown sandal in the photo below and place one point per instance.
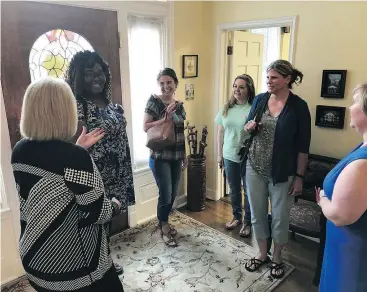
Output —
(233, 224)
(172, 230)
(169, 240)
(245, 230)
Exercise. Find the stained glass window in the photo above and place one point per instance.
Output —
(52, 52)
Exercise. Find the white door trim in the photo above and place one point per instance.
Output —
(291, 21)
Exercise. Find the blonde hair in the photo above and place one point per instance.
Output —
(361, 90)
(49, 111)
(250, 90)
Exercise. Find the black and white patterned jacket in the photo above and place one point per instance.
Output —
(63, 209)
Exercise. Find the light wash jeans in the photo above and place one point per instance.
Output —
(259, 190)
(233, 173)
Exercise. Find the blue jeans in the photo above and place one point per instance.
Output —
(233, 173)
(167, 174)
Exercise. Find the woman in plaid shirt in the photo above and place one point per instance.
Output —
(167, 164)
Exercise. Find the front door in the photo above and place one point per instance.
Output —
(27, 28)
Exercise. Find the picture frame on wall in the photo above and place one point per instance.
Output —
(189, 91)
(330, 116)
(333, 83)
(190, 66)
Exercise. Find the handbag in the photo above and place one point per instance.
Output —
(245, 148)
(161, 136)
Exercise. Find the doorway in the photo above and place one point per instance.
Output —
(248, 48)
(39, 39)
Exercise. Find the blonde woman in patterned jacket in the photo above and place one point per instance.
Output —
(63, 207)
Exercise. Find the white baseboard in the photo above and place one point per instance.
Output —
(211, 194)
(180, 201)
(132, 216)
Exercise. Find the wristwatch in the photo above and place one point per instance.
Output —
(300, 176)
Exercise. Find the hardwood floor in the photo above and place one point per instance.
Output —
(300, 252)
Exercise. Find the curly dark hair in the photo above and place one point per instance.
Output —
(75, 73)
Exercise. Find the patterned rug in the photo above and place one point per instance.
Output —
(205, 260)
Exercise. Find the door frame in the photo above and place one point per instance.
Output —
(221, 65)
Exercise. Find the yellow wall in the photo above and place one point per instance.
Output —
(191, 25)
(330, 35)
(284, 49)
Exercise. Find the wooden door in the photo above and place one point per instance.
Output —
(247, 56)
(23, 22)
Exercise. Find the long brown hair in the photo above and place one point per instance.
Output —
(250, 90)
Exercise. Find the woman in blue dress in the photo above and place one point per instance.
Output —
(344, 203)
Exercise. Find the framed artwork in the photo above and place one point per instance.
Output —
(333, 83)
(189, 91)
(190, 66)
(330, 116)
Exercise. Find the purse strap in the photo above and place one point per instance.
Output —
(260, 109)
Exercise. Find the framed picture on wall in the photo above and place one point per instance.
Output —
(333, 83)
(330, 116)
(190, 66)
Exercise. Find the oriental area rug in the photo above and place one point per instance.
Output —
(205, 260)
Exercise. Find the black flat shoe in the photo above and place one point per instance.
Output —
(119, 269)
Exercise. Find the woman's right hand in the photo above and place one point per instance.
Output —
(116, 201)
(250, 126)
(86, 140)
(171, 108)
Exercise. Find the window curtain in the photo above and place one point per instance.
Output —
(146, 49)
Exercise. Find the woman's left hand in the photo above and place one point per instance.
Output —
(87, 140)
(296, 187)
(184, 164)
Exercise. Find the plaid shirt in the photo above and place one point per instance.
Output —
(156, 108)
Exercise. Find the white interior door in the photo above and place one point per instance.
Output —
(247, 57)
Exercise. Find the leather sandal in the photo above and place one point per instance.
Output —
(172, 230)
(233, 224)
(254, 264)
(277, 270)
(168, 239)
(245, 230)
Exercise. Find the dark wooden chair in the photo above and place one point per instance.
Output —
(306, 217)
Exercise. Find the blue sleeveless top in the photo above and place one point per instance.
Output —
(344, 266)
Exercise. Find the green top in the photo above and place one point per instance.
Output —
(234, 133)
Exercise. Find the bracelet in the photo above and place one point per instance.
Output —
(300, 176)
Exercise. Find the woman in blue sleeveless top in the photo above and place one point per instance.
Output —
(344, 204)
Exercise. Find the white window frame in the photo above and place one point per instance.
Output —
(166, 14)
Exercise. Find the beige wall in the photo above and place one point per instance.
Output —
(330, 35)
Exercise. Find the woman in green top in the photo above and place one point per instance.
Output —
(231, 135)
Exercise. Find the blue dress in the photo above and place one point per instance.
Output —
(344, 266)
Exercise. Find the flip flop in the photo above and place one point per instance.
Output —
(245, 230)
